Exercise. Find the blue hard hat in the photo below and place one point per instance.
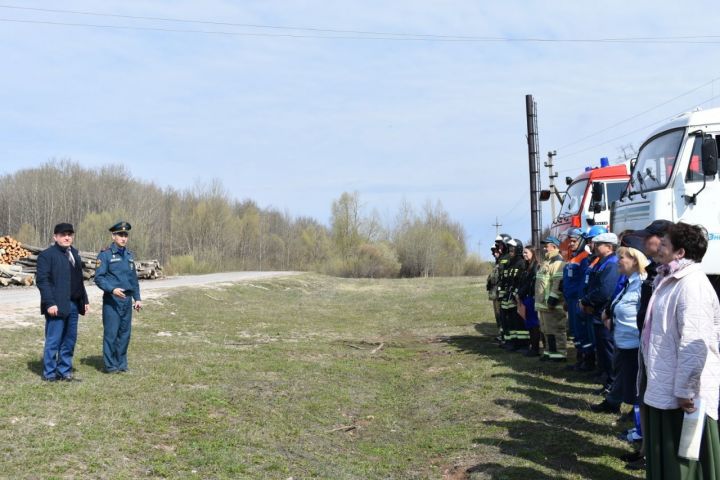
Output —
(575, 233)
(595, 230)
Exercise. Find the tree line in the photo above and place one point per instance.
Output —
(203, 229)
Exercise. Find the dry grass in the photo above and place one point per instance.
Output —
(304, 377)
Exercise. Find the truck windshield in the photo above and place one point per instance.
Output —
(573, 198)
(656, 161)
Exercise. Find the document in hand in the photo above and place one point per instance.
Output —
(692, 430)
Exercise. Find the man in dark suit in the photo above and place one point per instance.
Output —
(62, 297)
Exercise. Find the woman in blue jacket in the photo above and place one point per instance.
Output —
(621, 319)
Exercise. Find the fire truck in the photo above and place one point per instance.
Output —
(589, 198)
(675, 178)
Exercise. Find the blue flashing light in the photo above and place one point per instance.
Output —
(587, 169)
(604, 162)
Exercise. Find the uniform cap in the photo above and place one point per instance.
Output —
(121, 227)
(606, 238)
(658, 228)
(633, 240)
(551, 239)
(63, 227)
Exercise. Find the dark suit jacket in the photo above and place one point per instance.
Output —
(53, 280)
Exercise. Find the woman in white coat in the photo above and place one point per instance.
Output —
(679, 345)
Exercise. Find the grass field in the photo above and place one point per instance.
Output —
(304, 377)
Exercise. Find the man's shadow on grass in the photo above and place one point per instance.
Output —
(95, 361)
(36, 367)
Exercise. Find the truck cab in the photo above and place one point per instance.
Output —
(588, 200)
(674, 179)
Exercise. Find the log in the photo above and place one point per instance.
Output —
(18, 264)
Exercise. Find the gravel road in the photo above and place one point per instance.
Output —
(20, 306)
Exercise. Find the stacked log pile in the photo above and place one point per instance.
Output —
(18, 264)
(10, 252)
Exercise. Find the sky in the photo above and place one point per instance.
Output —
(293, 117)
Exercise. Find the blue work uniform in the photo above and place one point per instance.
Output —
(116, 269)
(601, 286)
(573, 283)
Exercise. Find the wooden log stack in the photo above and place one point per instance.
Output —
(18, 264)
(11, 250)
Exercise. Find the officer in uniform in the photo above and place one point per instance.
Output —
(116, 276)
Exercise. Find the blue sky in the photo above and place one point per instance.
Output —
(293, 122)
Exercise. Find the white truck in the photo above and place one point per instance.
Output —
(675, 178)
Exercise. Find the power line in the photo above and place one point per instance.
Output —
(575, 142)
(345, 34)
(662, 120)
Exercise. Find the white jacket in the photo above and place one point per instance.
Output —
(682, 359)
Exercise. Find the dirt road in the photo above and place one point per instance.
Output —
(21, 306)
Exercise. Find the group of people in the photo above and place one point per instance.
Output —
(643, 318)
(63, 298)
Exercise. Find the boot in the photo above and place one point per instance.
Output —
(588, 363)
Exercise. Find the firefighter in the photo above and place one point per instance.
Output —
(548, 302)
(512, 323)
(503, 257)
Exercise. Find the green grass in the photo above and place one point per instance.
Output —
(304, 377)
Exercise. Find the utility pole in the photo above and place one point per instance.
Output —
(552, 176)
(534, 161)
(497, 227)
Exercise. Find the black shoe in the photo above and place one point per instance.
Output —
(632, 457)
(70, 378)
(605, 407)
(639, 464)
(105, 370)
(49, 379)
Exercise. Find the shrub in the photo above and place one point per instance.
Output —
(186, 264)
(474, 266)
(376, 260)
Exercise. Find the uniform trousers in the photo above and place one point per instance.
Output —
(554, 325)
(117, 317)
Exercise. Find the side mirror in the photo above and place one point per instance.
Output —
(709, 155)
(568, 181)
(545, 195)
